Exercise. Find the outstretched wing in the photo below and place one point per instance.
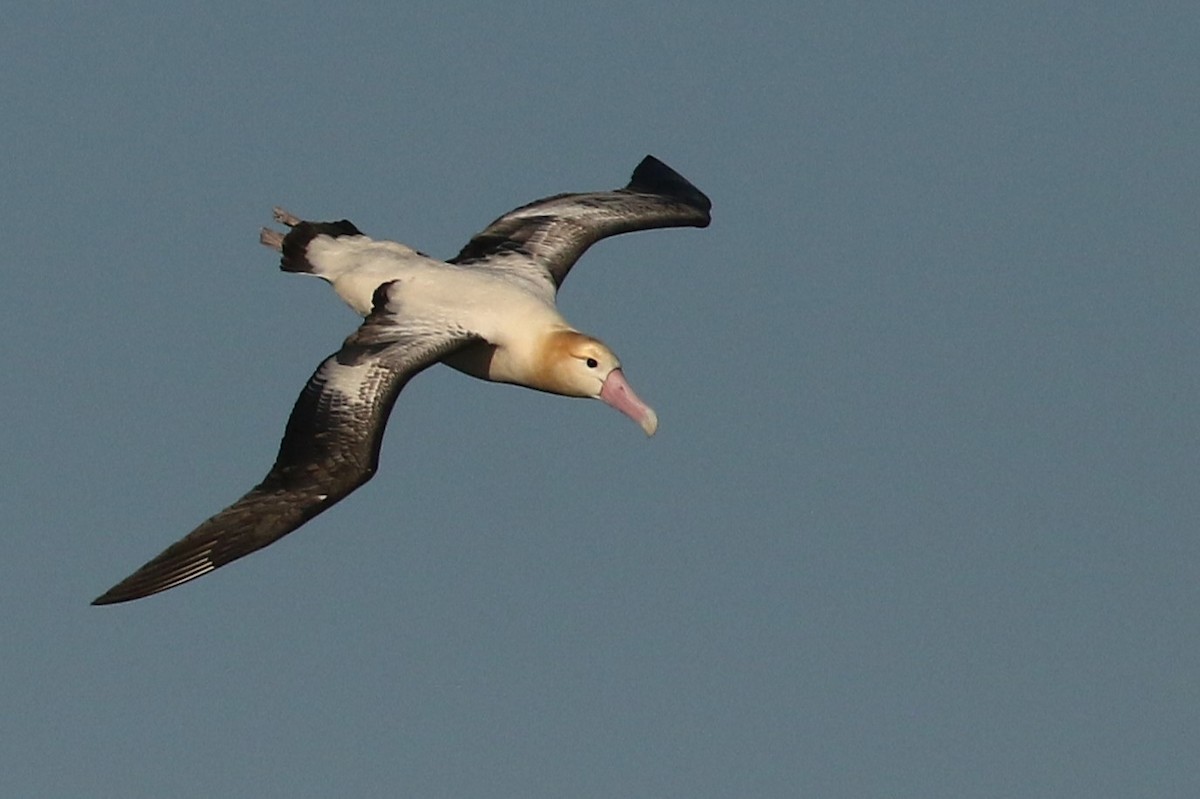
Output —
(330, 447)
(544, 239)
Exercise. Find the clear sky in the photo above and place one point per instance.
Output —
(921, 517)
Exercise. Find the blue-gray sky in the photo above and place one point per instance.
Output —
(921, 518)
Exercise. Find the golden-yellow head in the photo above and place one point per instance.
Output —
(576, 365)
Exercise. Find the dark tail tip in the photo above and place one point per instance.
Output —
(295, 243)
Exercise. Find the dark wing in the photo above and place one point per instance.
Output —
(330, 447)
(544, 239)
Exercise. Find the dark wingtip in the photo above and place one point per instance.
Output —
(114, 595)
(654, 177)
(295, 243)
(132, 587)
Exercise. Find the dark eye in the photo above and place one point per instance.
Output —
(592, 363)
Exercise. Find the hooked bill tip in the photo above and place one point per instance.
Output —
(649, 422)
(617, 393)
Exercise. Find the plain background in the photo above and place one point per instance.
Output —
(921, 518)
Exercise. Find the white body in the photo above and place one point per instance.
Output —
(514, 315)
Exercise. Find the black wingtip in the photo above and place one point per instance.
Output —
(105, 599)
(654, 177)
(131, 588)
(117, 594)
(295, 243)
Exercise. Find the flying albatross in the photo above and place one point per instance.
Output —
(489, 312)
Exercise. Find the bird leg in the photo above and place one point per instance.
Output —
(284, 217)
(273, 238)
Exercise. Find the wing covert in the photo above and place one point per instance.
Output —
(329, 448)
(544, 239)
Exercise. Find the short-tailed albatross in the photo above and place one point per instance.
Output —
(489, 312)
